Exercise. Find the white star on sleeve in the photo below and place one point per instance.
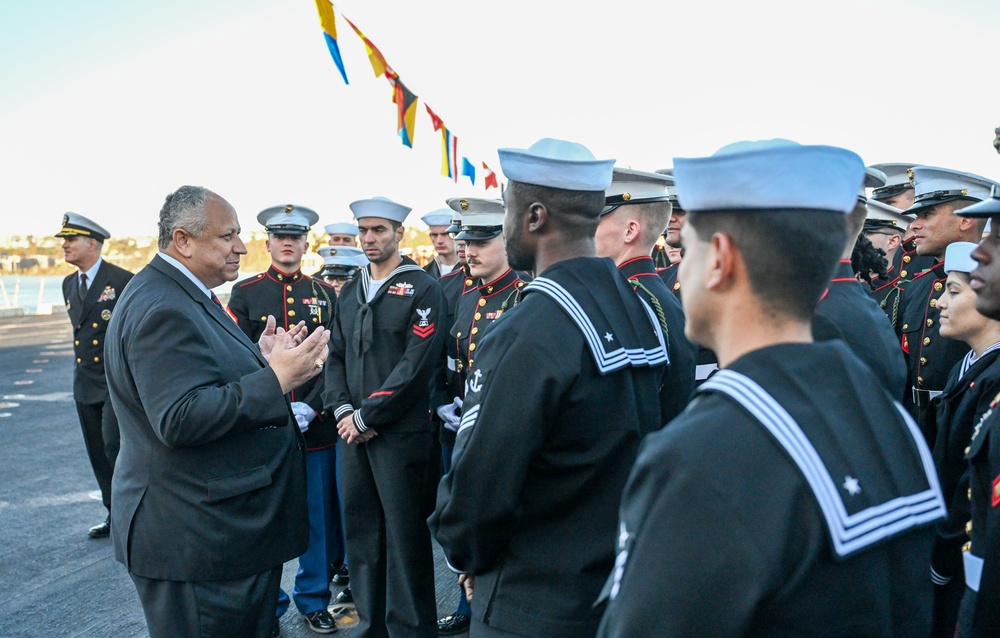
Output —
(851, 485)
(610, 337)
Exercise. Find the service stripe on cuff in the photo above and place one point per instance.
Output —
(358, 422)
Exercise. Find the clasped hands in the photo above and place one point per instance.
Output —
(350, 433)
(294, 355)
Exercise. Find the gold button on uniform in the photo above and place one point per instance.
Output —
(76, 343)
(94, 342)
(79, 360)
(903, 274)
(472, 347)
(475, 331)
(906, 259)
(291, 313)
(938, 287)
(968, 528)
(93, 325)
(930, 322)
(458, 334)
(482, 302)
(263, 318)
(933, 303)
(923, 361)
(967, 546)
(920, 380)
(468, 282)
(478, 316)
(97, 359)
(288, 288)
(290, 300)
(927, 341)
(967, 449)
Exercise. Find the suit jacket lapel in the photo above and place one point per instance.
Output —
(215, 313)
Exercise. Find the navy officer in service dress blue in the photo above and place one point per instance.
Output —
(771, 506)
(386, 342)
(562, 388)
(284, 292)
(979, 613)
(636, 211)
(940, 193)
(90, 295)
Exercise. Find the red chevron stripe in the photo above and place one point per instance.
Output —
(424, 332)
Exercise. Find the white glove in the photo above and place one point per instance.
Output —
(304, 414)
(449, 414)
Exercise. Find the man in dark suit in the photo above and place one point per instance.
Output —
(209, 491)
(90, 296)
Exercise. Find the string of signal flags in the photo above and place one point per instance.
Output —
(405, 101)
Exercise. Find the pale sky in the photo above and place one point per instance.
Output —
(108, 105)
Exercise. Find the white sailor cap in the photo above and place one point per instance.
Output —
(958, 257)
(556, 164)
(985, 208)
(899, 178)
(341, 228)
(439, 217)
(380, 207)
(288, 219)
(76, 225)
(769, 175)
(874, 178)
(635, 187)
(885, 216)
(482, 219)
(936, 185)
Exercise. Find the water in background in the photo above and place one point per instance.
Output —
(42, 294)
(32, 293)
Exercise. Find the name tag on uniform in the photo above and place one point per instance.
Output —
(401, 289)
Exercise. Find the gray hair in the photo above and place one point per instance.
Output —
(184, 209)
